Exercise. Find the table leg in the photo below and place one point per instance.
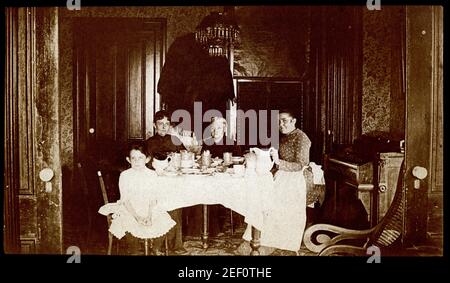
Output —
(254, 243)
(205, 227)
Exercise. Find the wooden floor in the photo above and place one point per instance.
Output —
(94, 241)
(224, 244)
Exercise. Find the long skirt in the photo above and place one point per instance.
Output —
(284, 213)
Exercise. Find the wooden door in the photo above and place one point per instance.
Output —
(424, 125)
(33, 208)
(116, 68)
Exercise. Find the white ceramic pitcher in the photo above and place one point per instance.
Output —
(264, 162)
(160, 165)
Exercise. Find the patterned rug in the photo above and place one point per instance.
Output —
(223, 244)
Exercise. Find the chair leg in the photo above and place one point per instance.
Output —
(110, 242)
(166, 246)
(146, 247)
(231, 222)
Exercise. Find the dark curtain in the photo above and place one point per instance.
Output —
(189, 74)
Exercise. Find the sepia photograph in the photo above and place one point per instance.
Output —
(252, 130)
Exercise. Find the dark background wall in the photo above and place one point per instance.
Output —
(383, 98)
(180, 20)
(274, 41)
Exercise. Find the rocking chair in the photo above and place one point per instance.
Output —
(317, 237)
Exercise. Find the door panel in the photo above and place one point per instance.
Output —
(117, 63)
(32, 212)
(135, 117)
(423, 89)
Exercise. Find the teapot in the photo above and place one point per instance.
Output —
(161, 164)
(264, 162)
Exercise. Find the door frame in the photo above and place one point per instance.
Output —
(424, 83)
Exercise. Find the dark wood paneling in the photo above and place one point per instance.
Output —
(152, 50)
(33, 138)
(424, 124)
(135, 93)
(47, 123)
(438, 102)
(26, 82)
(28, 218)
(436, 193)
(32, 131)
(419, 97)
(11, 173)
(117, 67)
(28, 246)
(334, 78)
(104, 91)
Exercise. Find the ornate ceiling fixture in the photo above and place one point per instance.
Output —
(217, 32)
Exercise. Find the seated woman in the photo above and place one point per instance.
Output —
(160, 145)
(217, 144)
(285, 218)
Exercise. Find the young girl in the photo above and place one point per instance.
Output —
(136, 212)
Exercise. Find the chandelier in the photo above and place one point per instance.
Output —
(217, 32)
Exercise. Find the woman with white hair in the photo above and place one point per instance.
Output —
(218, 143)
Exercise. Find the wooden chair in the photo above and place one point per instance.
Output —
(109, 216)
(317, 237)
(109, 219)
(85, 191)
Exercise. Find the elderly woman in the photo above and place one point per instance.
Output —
(217, 144)
(285, 218)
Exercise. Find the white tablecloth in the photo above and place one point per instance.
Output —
(247, 195)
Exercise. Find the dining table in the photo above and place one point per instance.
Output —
(247, 194)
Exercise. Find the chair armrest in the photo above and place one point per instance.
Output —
(317, 239)
(345, 250)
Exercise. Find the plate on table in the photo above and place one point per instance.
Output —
(170, 173)
(230, 171)
(190, 170)
(195, 171)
